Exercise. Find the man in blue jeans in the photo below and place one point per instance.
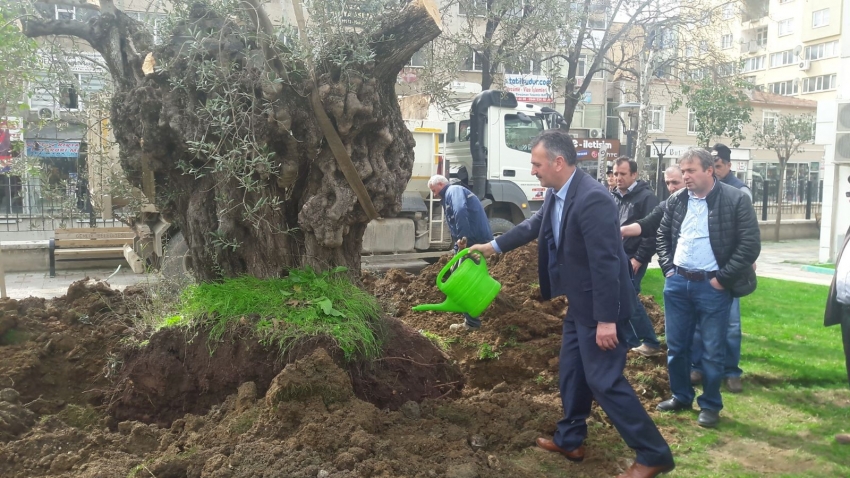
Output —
(732, 371)
(707, 243)
(635, 200)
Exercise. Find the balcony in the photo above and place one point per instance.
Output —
(753, 10)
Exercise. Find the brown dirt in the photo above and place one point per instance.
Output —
(173, 409)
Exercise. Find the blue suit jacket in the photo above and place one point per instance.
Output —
(588, 265)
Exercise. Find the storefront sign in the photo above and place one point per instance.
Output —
(589, 149)
(530, 88)
(77, 62)
(53, 149)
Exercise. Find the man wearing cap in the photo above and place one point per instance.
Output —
(732, 370)
(612, 180)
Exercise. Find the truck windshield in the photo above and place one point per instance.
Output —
(518, 135)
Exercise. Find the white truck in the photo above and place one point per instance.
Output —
(486, 145)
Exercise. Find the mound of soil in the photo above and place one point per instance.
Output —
(175, 373)
(80, 403)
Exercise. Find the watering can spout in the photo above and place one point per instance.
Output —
(447, 306)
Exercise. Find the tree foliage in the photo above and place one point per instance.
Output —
(785, 136)
(17, 62)
(721, 108)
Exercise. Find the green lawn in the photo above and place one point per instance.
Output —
(795, 398)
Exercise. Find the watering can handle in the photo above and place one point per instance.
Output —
(452, 261)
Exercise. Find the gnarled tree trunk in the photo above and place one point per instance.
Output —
(239, 162)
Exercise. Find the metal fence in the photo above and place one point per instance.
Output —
(801, 199)
(40, 205)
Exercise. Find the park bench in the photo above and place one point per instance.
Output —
(88, 244)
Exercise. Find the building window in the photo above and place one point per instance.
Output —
(726, 69)
(68, 97)
(472, 7)
(703, 46)
(782, 58)
(419, 59)
(726, 41)
(473, 62)
(822, 50)
(786, 27)
(661, 38)
(728, 11)
(597, 23)
(153, 22)
(64, 12)
(769, 119)
(820, 18)
(581, 70)
(692, 122)
(753, 64)
(785, 88)
(819, 83)
(761, 36)
(656, 119)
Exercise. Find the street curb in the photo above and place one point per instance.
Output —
(819, 270)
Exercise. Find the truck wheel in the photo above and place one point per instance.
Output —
(176, 261)
(499, 226)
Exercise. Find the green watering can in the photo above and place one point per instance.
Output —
(468, 289)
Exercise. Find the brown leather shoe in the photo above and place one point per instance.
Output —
(642, 471)
(573, 455)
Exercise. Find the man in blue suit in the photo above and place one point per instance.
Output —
(580, 255)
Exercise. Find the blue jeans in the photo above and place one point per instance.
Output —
(640, 329)
(686, 305)
(731, 367)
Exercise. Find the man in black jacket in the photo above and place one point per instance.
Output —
(707, 243)
(634, 201)
(731, 369)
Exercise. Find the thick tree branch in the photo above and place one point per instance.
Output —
(403, 36)
(34, 28)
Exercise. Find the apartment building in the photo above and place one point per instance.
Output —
(787, 47)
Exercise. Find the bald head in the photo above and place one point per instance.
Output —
(673, 178)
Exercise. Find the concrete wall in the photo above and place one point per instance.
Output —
(791, 229)
(34, 256)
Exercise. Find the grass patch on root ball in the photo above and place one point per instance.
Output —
(282, 311)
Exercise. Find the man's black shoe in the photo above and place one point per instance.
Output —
(708, 418)
(673, 405)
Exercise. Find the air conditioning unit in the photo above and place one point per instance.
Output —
(594, 132)
(805, 65)
(48, 114)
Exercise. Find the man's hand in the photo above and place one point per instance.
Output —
(606, 335)
(635, 264)
(716, 284)
(461, 244)
(485, 249)
(632, 230)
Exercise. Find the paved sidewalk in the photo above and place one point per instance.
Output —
(20, 285)
(778, 260)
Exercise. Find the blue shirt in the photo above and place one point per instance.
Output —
(556, 212)
(693, 251)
